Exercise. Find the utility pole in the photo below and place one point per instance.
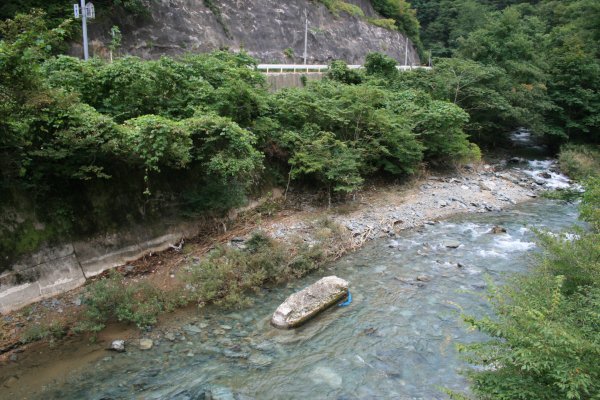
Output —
(85, 12)
(305, 35)
(405, 52)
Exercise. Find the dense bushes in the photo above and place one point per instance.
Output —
(339, 134)
(94, 145)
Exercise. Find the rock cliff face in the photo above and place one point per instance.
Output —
(266, 29)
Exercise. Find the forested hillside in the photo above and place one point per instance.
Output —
(91, 147)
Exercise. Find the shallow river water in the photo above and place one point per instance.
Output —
(395, 341)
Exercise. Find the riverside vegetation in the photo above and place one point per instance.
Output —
(90, 147)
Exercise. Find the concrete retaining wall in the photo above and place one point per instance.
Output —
(54, 270)
(277, 81)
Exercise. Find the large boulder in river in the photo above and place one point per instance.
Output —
(305, 304)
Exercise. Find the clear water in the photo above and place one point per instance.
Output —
(395, 341)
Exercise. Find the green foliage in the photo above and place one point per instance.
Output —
(385, 23)
(338, 6)
(330, 160)
(580, 161)
(115, 39)
(227, 274)
(114, 299)
(289, 53)
(338, 71)
(157, 141)
(380, 64)
(225, 150)
(404, 16)
(78, 138)
(545, 328)
(210, 4)
(42, 331)
(590, 207)
(544, 54)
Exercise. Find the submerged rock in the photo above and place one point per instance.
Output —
(498, 229)
(326, 375)
(146, 344)
(452, 244)
(308, 302)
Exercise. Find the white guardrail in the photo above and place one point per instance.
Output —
(281, 68)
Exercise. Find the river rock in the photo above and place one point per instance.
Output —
(308, 302)
(327, 376)
(452, 244)
(117, 345)
(498, 229)
(487, 185)
(260, 360)
(145, 344)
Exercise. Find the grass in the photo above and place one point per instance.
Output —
(40, 331)
(228, 274)
(225, 276)
(115, 299)
(580, 161)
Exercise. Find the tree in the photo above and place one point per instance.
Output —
(330, 160)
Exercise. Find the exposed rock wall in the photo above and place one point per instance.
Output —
(264, 28)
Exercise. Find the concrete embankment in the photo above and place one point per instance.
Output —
(55, 270)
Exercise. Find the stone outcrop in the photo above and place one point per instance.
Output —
(305, 304)
(270, 30)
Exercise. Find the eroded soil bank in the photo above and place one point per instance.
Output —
(376, 212)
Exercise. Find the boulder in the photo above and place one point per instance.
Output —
(117, 345)
(305, 304)
(498, 229)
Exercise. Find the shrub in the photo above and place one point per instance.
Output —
(339, 71)
(380, 64)
(113, 299)
(580, 161)
(157, 142)
(224, 149)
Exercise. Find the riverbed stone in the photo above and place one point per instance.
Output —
(260, 360)
(117, 345)
(305, 304)
(487, 185)
(327, 376)
(452, 244)
(497, 230)
(145, 344)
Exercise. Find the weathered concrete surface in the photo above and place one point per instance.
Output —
(54, 270)
(284, 80)
(305, 304)
(58, 269)
(46, 273)
(263, 28)
(112, 250)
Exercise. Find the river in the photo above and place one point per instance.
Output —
(395, 341)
